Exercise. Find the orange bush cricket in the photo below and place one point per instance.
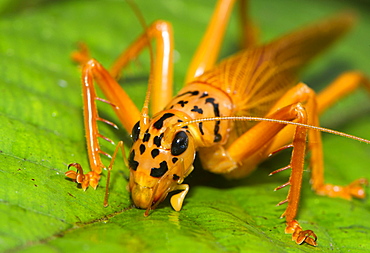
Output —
(214, 113)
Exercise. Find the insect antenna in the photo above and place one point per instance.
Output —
(258, 119)
(144, 118)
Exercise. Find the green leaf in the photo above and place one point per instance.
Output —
(42, 132)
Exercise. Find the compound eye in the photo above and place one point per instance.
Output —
(135, 131)
(179, 143)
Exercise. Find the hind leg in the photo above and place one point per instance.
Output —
(258, 142)
(253, 143)
(317, 104)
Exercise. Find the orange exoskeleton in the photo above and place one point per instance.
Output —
(234, 113)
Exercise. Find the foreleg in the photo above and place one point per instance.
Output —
(123, 106)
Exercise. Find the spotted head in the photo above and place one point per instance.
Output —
(160, 158)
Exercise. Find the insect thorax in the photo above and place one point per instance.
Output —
(204, 101)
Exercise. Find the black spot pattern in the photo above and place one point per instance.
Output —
(192, 93)
(175, 159)
(159, 123)
(158, 172)
(201, 127)
(215, 106)
(197, 109)
(157, 140)
(131, 162)
(175, 177)
(135, 131)
(182, 103)
(142, 149)
(216, 111)
(146, 137)
(185, 127)
(154, 153)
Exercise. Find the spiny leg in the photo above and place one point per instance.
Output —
(259, 141)
(92, 70)
(117, 97)
(346, 83)
(247, 149)
(314, 105)
(305, 95)
(122, 104)
(340, 87)
(260, 135)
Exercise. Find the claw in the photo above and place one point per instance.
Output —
(300, 236)
(71, 174)
(305, 236)
(94, 179)
(79, 177)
